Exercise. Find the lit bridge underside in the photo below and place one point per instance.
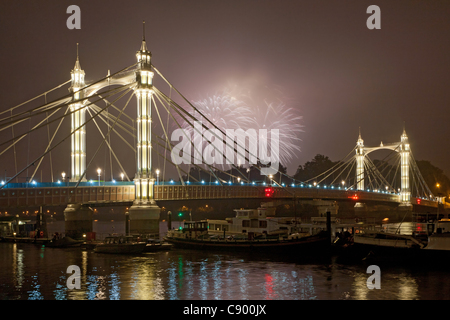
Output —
(120, 193)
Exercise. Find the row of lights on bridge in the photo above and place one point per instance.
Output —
(315, 184)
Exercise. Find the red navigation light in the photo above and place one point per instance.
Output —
(354, 197)
(269, 192)
(418, 201)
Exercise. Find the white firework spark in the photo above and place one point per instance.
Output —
(228, 112)
(222, 110)
(287, 121)
(225, 111)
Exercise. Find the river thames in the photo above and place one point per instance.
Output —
(33, 272)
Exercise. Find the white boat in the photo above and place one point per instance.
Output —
(439, 238)
(254, 221)
(121, 245)
(386, 240)
(250, 230)
(154, 245)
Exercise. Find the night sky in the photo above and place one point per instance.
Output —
(329, 66)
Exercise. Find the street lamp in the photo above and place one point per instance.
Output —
(157, 176)
(122, 175)
(63, 174)
(99, 171)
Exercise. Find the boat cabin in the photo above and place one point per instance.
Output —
(119, 240)
(247, 221)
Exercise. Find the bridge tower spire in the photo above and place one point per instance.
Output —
(405, 192)
(144, 213)
(78, 139)
(360, 154)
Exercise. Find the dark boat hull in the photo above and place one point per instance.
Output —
(125, 248)
(157, 247)
(65, 242)
(307, 244)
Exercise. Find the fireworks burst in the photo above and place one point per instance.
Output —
(287, 121)
(224, 111)
(238, 111)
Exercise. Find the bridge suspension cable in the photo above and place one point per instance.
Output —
(56, 145)
(109, 131)
(32, 99)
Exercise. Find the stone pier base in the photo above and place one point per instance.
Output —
(78, 220)
(144, 219)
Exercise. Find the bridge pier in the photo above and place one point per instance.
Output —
(144, 218)
(405, 206)
(78, 220)
(361, 210)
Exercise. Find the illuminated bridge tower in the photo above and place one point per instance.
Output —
(405, 192)
(144, 213)
(78, 152)
(360, 154)
(78, 219)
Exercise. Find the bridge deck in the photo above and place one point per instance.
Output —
(48, 196)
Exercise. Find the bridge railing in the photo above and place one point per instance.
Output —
(59, 184)
(40, 194)
(48, 196)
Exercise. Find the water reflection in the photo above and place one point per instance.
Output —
(203, 278)
(268, 286)
(394, 286)
(146, 282)
(35, 293)
(408, 288)
(114, 291)
(217, 278)
(172, 276)
(60, 292)
(32, 272)
(243, 283)
(17, 266)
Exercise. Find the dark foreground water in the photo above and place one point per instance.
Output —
(29, 272)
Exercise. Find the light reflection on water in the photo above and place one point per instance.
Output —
(32, 272)
(35, 272)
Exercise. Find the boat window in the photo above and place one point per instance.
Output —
(262, 224)
(246, 223)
